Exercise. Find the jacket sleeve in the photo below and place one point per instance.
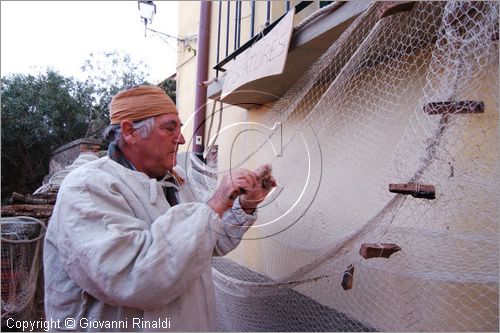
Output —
(123, 260)
(235, 222)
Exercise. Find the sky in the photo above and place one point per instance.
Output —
(62, 34)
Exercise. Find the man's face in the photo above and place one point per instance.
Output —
(157, 154)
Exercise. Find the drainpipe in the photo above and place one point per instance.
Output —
(201, 76)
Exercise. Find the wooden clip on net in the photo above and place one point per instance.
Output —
(416, 190)
(347, 278)
(378, 250)
(457, 107)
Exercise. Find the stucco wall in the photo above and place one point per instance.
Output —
(360, 151)
(189, 12)
(365, 149)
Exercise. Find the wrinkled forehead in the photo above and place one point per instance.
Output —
(168, 120)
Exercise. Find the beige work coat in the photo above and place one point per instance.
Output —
(118, 257)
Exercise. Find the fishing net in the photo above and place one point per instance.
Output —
(22, 241)
(406, 97)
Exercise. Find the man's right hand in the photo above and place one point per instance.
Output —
(233, 184)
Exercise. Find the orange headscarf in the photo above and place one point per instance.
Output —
(140, 103)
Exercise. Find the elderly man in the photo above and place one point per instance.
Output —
(127, 247)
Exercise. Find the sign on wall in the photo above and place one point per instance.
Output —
(265, 58)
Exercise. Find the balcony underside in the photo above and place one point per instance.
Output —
(306, 46)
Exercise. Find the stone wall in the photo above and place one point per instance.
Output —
(65, 155)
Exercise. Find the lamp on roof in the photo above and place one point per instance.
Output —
(147, 10)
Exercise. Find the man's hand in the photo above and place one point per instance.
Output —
(252, 187)
(253, 197)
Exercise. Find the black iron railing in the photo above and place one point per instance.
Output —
(237, 28)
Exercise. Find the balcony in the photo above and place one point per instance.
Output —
(307, 44)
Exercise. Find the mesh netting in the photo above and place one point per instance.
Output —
(22, 241)
(392, 101)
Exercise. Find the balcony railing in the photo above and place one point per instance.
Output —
(236, 7)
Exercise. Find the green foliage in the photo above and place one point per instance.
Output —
(39, 113)
(108, 73)
(169, 86)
